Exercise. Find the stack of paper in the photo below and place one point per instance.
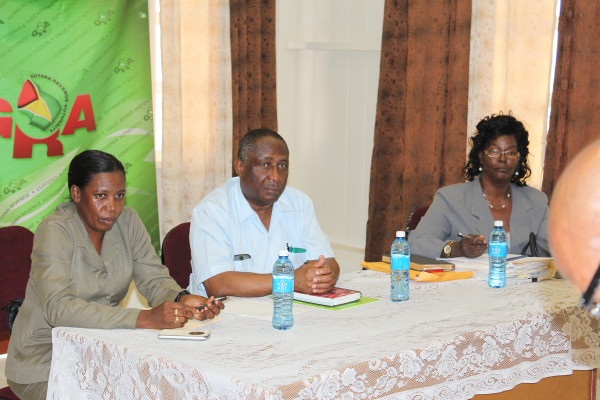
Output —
(531, 268)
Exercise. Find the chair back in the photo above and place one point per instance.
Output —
(414, 218)
(7, 394)
(16, 243)
(176, 254)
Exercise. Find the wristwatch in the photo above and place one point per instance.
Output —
(448, 248)
(182, 293)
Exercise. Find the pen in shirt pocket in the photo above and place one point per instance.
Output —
(292, 249)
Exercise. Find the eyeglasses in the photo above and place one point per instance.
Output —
(495, 153)
(586, 300)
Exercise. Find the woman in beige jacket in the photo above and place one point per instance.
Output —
(84, 258)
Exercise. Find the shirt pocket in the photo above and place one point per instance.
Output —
(297, 259)
(243, 263)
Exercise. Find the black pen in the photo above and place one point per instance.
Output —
(221, 299)
(517, 257)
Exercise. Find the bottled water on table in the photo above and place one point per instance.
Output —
(400, 255)
(497, 249)
(283, 292)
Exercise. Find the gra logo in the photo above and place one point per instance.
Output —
(38, 106)
(42, 106)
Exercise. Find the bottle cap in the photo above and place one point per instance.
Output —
(498, 223)
(400, 234)
(283, 253)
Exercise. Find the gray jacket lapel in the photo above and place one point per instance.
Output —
(481, 210)
(521, 217)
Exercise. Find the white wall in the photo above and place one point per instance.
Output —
(327, 75)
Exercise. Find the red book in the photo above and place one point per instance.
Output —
(334, 297)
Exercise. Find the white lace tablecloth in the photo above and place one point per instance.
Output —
(451, 340)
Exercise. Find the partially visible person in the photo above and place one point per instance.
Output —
(573, 223)
(238, 228)
(496, 190)
(84, 257)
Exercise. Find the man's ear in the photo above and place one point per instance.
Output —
(238, 165)
(75, 194)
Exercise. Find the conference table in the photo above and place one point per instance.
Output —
(450, 340)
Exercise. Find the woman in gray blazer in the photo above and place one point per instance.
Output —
(84, 258)
(496, 190)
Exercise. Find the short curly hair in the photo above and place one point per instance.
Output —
(247, 143)
(490, 128)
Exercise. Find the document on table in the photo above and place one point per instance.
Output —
(517, 267)
(260, 308)
(531, 269)
(479, 265)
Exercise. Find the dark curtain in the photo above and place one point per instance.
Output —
(253, 67)
(421, 122)
(575, 112)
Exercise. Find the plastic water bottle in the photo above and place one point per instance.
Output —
(283, 292)
(497, 253)
(400, 255)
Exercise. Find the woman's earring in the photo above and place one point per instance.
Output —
(516, 173)
(480, 169)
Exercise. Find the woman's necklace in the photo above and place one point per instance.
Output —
(503, 205)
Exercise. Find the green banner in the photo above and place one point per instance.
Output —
(74, 75)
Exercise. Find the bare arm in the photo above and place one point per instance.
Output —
(241, 284)
(315, 276)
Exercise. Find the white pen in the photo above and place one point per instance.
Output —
(462, 235)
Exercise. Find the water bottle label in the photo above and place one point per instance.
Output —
(400, 261)
(283, 284)
(498, 249)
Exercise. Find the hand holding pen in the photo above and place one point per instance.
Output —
(472, 245)
(215, 301)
